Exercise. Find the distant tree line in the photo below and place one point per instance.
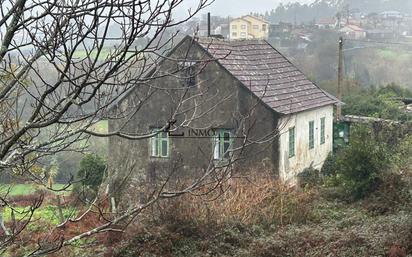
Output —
(306, 13)
(300, 13)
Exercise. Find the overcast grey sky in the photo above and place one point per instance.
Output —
(240, 7)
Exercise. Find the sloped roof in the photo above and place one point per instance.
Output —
(251, 16)
(261, 19)
(268, 74)
(352, 27)
(326, 21)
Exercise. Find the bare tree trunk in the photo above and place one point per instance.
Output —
(59, 208)
(3, 227)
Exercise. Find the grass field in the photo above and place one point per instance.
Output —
(47, 212)
(81, 54)
(27, 189)
(105, 53)
(394, 55)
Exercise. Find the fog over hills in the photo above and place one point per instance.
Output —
(241, 7)
(370, 5)
(237, 7)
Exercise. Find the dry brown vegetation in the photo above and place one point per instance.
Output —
(255, 200)
(261, 217)
(256, 216)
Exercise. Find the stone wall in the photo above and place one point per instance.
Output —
(221, 102)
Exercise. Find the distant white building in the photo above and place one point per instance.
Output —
(391, 15)
(353, 32)
(326, 23)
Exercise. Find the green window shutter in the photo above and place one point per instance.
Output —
(164, 144)
(311, 134)
(226, 144)
(322, 130)
(291, 142)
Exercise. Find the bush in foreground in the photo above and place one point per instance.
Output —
(358, 168)
(89, 176)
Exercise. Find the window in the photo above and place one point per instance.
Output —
(264, 27)
(255, 27)
(322, 130)
(160, 144)
(188, 69)
(311, 134)
(243, 35)
(234, 34)
(291, 142)
(234, 26)
(243, 26)
(221, 144)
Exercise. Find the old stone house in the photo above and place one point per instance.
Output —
(212, 100)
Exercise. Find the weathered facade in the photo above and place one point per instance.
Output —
(243, 101)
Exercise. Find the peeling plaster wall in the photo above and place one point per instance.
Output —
(225, 103)
(304, 157)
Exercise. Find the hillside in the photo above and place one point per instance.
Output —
(306, 13)
(369, 5)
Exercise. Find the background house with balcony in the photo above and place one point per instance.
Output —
(249, 27)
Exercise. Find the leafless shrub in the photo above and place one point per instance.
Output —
(249, 200)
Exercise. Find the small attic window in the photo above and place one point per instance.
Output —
(188, 72)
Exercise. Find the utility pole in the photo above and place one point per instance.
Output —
(347, 15)
(340, 79)
(208, 25)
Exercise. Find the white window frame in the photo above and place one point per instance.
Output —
(156, 144)
(222, 146)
